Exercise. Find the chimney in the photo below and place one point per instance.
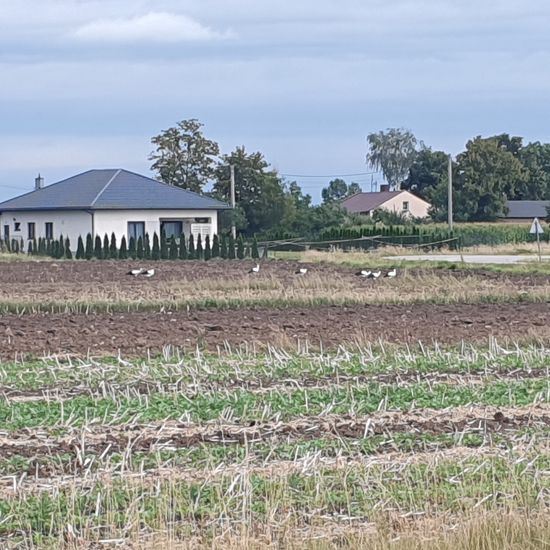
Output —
(38, 182)
(384, 187)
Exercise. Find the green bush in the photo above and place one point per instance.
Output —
(60, 248)
(155, 251)
(173, 251)
(113, 252)
(191, 249)
(68, 253)
(240, 247)
(89, 253)
(106, 247)
(215, 247)
(80, 249)
(255, 253)
(132, 250)
(139, 250)
(123, 251)
(163, 246)
(98, 252)
(223, 248)
(147, 247)
(207, 249)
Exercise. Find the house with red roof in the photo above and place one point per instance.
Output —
(401, 202)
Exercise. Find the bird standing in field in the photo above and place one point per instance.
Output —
(135, 272)
(301, 271)
(255, 269)
(392, 273)
(376, 274)
(149, 273)
(364, 273)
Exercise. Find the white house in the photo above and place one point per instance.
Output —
(400, 202)
(103, 202)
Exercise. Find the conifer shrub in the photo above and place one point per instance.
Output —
(123, 250)
(30, 250)
(215, 247)
(98, 252)
(132, 249)
(223, 247)
(163, 246)
(55, 249)
(231, 247)
(113, 252)
(139, 249)
(207, 249)
(49, 248)
(147, 247)
(68, 253)
(173, 251)
(106, 247)
(35, 247)
(80, 249)
(255, 253)
(61, 248)
(200, 251)
(89, 253)
(240, 247)
(191, 249)
(155, 251)
(182, 248)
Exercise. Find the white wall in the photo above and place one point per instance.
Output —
(76, 223)
(116, 221)
(69, 223)
(418, 208)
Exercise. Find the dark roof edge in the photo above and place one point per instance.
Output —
(96, 209)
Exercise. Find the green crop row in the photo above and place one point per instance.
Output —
(249, 406)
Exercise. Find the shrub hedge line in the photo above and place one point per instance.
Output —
(155, 248)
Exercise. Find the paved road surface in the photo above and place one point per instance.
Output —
(471, 258)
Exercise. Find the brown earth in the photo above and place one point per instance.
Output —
(41, 272)
(135, 333)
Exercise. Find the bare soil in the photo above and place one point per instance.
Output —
(135, 333)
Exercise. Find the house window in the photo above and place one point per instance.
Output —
(405, 206)
(171, 229)
(48, 226)
(6, 232)
(17, 226)
(136, 230)
(31, 233)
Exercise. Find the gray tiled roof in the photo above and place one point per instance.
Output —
(527, 209)
(365, 202)
(111, 190)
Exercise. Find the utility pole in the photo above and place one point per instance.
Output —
(233, 228)
(450, 195)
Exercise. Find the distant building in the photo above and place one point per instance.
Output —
(400, 202)
(102, 202)
(525, 211)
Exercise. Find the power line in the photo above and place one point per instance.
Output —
(329, 175)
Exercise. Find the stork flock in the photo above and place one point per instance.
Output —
(370, 274)
(364, 273)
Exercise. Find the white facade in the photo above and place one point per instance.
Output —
(407, 204)
(78, 223)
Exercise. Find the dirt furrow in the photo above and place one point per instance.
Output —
(104, 440)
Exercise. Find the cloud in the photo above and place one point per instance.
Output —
(152, 27)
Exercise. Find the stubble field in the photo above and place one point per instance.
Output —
(209, 407)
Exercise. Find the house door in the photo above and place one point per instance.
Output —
(7, 233)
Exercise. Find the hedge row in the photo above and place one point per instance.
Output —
(472, 234)
(149, 249)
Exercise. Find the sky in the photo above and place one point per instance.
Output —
(86, 84)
